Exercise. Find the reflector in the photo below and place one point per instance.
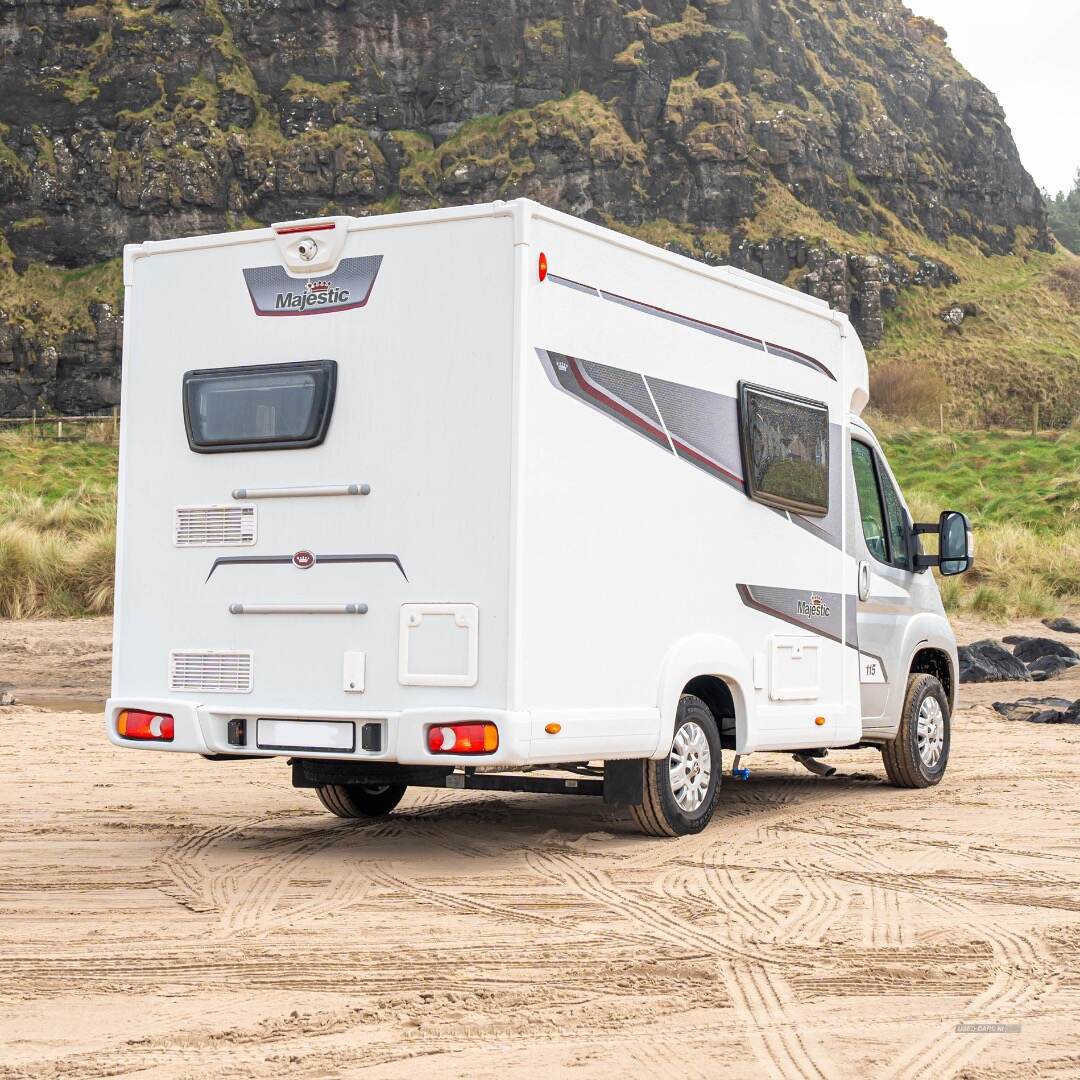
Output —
(542, 266)
(322, 227)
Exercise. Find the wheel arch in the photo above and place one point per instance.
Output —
(932, 660)
(714, 669)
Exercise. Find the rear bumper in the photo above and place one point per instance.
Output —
(202, 729)
(525, 737)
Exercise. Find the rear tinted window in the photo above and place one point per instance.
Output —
(271, 407)
(785, 449)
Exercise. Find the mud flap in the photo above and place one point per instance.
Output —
(624, 782)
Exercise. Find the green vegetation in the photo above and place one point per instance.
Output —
(52, 301)
(57, 534)
(1022, 494)
(996, 477)
(692, 24)
(499, 147)
(333, 93)
(54, 471)
(1022, 348)
(1064, 211)
(632, 56)
(548, 38)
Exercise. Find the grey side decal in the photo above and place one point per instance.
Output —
(704, 428)
(818, 612)
(573, 284)
(620, 395)
(263, 560)
(274, 292)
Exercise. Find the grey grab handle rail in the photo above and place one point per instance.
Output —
(301, 492)
(298, 609)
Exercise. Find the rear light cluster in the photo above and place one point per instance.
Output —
(471, 738)
(137, 724)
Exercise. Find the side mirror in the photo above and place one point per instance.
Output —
(956, 550)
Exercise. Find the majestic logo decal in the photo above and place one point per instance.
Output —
(274, 292)
(814, 608)
(303, 560)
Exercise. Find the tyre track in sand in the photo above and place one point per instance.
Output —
(247, 892)
(755, 990)
(1023, 971)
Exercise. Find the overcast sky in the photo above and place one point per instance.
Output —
(1029, 56)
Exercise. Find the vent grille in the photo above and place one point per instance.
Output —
(210, 671)
(214, 526)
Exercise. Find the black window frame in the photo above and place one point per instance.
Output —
(881, 473)
(764, 497)
(324, 408)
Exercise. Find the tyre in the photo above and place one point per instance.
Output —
(682, 789)
(360, 800)
(917, 757)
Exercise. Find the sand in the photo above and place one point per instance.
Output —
(165, 916)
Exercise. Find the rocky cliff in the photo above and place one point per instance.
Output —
(833, 144)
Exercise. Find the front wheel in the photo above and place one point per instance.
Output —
(360, 800)
(682, 789)
(917, 757)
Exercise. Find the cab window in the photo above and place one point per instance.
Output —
(896, 521)
(884, 523)
(870, 511)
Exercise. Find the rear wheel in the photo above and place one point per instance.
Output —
(360, 800)
(917, 757)
(681, 790)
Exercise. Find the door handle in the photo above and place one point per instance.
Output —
(864, 579)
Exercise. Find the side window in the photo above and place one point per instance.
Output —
(785, 443)
(896, 521)
(870, 512)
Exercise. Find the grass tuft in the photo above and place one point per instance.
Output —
(57, 527)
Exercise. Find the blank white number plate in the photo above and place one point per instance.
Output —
(307, 735)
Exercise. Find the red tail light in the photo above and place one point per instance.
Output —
(471, 738)
(137, 724)
(541, 266)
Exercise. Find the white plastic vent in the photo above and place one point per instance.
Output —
(214, 526)
(210, 671)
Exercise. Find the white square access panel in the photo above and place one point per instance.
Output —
(795, 668)
(438, 644)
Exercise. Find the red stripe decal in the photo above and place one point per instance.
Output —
(705, 460)
(753, 342)
(612, 403)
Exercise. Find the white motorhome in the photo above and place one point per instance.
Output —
(491, 497)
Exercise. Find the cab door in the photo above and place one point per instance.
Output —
(885, 555)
